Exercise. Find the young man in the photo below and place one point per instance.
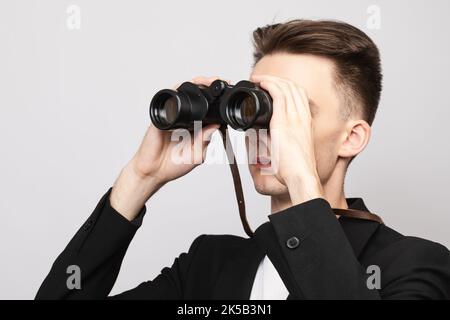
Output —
(325, 81)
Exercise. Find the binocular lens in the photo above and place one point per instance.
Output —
(166, 110)
(243, 108)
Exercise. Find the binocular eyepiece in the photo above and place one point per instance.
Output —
(242, 106)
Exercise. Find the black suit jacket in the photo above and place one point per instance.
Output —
(329, 262)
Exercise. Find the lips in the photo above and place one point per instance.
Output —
(263, 162)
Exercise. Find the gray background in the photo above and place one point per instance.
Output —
(73, 109)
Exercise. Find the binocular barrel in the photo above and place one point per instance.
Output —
(242, 106)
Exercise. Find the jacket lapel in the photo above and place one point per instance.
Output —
(236, 277)
(238, 274)
(358, 231)
(266, 238)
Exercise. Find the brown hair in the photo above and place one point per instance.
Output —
(356, 57)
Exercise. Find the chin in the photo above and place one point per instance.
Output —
(266, 184)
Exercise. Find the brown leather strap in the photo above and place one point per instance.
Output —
(236, 179)
(349, 213)
(358, 214)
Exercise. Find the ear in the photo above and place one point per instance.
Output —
(357, 136)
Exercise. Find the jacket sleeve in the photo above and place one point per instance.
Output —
(97, 251)
(323, 263)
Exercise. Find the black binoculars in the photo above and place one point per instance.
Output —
(242, 106)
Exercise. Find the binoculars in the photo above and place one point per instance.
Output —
(241, 106)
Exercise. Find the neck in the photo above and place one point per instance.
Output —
(333, 190)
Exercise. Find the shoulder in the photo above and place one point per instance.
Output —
(410, 266)
(388, 239)
(222, 243)
(215, 249)
(208, 253)
(397, 252)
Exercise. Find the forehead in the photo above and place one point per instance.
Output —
(315, 74)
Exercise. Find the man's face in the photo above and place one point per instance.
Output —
(316, 75)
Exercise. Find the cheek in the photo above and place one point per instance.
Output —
(326, 147)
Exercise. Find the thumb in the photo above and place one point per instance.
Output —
(208, 131)
(201, 141)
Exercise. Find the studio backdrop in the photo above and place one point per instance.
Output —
(76, 79)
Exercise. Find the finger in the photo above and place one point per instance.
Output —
(281, 86)
(175, 87)
(153, 131)
(206, 81)
(279, 101)
(261, 77)
(208, 131)
(271, 85)
(304, 96)
(290, 109)
(200, 142)
(300, 107)
(207, 135)
(298, 94)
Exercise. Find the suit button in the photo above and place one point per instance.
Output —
(292, 243)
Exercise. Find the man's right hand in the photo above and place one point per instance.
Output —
(157, 162)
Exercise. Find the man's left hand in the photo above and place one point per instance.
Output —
(291, 133)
